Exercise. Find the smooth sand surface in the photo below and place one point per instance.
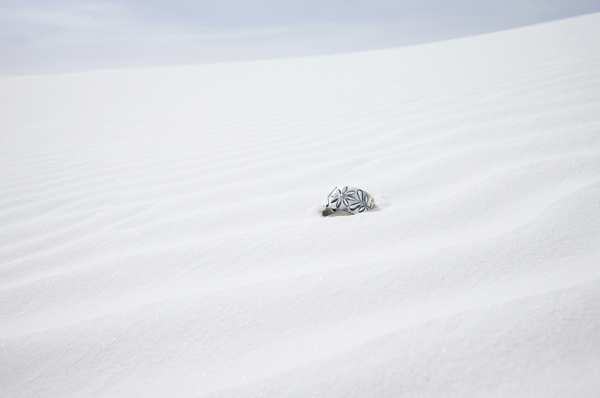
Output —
(161, 236)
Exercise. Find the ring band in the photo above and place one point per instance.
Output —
(348, 199)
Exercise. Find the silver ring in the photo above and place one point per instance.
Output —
(348, 199)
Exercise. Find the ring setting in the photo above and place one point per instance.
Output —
(348, 199)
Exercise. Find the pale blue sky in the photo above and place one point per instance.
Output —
(67, 35)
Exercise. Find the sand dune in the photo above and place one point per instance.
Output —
(161, 231)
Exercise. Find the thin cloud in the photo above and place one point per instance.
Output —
(60, 36)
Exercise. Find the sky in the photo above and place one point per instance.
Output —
(56, 36)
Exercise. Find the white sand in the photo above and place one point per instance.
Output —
(161, 232)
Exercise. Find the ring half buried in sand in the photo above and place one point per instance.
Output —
(348, 199)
